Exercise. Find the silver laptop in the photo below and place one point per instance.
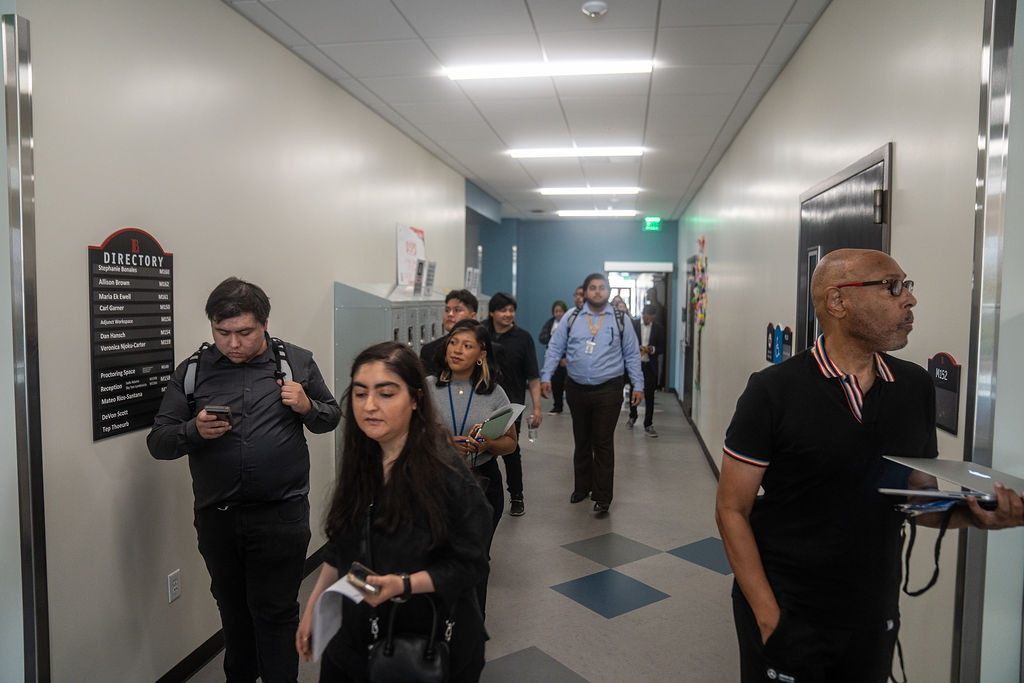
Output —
(977, 479)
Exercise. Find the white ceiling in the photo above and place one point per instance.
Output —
(714, 59)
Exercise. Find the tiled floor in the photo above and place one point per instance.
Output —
(640, 594)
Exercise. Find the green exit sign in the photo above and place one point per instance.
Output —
(652, 223)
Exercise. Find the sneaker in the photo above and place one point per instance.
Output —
(649, 431)
(554, 412)
(517, 508)
(630, 422)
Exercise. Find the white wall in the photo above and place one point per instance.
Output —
(870, 72)
(182, 119)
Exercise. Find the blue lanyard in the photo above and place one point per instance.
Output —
(451, 403)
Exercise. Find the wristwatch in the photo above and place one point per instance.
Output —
(406, 588)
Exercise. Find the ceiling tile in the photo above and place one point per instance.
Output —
(568, 16)
(412, 89)
(342, 21)
(604, 44)
(808, 11)
(508, 89)
(442, 18)
(431, 112)
(702, 80)
(600, 86)
(713, 45)
(486, 49)
(388, 58)
(610, 120)
(723, 12)
(528, 122)
(786, 42)
(269, 22)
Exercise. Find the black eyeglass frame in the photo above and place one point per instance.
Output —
(895, 287)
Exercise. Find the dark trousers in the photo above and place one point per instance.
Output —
(514, 467)
(255, 555)
(489, 477)
(558, 378)
(650, 369)
(812, 653)
(595, 410)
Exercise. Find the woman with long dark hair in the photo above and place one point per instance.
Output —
(406, 506)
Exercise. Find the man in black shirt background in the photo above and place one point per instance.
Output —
(816, 558)
(459, 304)
(250, 474)
(517, 357)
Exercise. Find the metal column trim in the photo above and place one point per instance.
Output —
(17, 70)
(989, 218)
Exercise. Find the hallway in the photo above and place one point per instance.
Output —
(636, 595)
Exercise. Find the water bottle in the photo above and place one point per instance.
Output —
(531, 431)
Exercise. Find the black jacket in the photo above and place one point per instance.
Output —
(657, 339)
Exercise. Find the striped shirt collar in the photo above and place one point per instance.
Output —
(851, 388)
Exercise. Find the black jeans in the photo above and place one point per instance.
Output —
(650, 369)
(489, 477)
(595, 410)
(811, 653)
(514, 467)
(256, 555)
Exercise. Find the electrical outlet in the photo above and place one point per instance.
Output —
(173, 586)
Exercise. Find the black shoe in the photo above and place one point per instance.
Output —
(557, 411)
(517, 508)
(630, 422)
(576, 497)
(601, 508)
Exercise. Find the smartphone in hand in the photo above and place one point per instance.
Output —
(357, 574)
(220, 412)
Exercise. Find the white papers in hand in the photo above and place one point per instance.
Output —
(327, 613)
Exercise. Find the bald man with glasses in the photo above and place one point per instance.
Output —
(816, 558)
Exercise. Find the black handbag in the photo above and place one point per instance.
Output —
(409, 657)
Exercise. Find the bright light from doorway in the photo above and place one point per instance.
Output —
(573, 152)
(541, 69)
(598, 213)
(566, 191)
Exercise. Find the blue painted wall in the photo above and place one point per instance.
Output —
(555, 256)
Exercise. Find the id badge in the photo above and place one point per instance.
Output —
(590, 346)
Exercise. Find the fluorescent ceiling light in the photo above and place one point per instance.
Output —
(598, 213)
(573, 152)
(539, 69)
(588, 190)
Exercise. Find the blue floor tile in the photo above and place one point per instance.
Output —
(531, 664)
(610, 593)
(708, 553)
(611, 550)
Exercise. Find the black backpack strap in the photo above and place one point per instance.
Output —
(189, 384)
(284, 369)
(572, 319)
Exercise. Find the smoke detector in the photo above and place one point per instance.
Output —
(595, 9)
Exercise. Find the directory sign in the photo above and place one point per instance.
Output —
(131, 328)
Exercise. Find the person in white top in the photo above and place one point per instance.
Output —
(651, 335)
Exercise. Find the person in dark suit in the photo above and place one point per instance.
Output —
(558, 310)
(651, 336)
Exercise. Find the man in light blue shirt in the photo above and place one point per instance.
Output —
(600, 348)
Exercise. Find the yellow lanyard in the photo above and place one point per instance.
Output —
(593, 332)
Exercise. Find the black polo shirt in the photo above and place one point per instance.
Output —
(829, 542)
(517, 357)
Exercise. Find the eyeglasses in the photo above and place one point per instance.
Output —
(895, 287)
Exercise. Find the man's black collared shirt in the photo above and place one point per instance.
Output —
(263, 457)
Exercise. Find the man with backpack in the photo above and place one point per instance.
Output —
(237, 410)
(600, 348)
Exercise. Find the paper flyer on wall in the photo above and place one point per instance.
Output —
(327, 613)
